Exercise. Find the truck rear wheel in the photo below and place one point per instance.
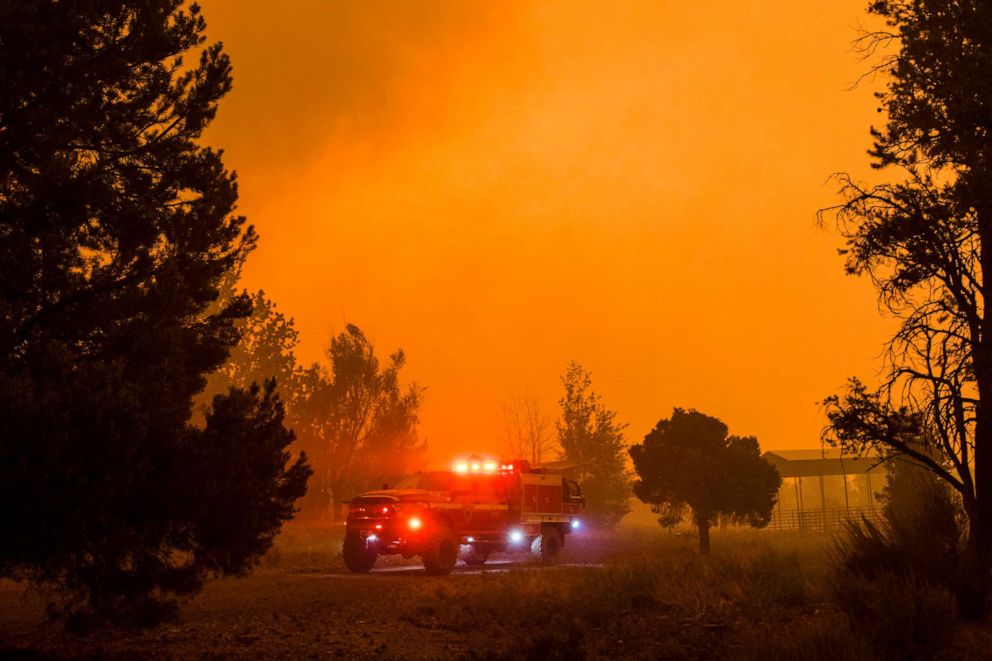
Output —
(548, 545)
(441, 552)
(477, 555)
(359, 556)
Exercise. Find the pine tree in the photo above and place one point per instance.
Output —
(116, 227)
(593, 442)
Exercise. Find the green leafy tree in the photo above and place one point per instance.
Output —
(593, 442)
(688, 465)
(925, 241)
(356, 421)
(116, 227)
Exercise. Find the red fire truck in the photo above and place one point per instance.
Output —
(483, 506)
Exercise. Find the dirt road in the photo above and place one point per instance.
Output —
(279, 613)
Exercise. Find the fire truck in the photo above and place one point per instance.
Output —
(477, 508)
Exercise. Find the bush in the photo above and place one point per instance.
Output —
(920, 538)
(897, 578)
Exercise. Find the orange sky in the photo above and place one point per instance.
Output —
(498, 188)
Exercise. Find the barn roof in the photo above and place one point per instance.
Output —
(826, 461)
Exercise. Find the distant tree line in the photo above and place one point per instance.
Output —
(688, 469)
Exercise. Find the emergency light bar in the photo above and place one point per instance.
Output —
(478, 466)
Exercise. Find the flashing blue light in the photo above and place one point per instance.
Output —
(575, 524)
(372, 538)
(516, 536)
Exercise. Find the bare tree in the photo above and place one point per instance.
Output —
(527, 428)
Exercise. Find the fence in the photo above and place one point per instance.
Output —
(826, 520)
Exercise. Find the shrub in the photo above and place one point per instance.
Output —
(897, 578)
(921, 536)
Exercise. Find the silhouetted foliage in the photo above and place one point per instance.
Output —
(115, 229)
(355, 421)
(592, 440)
(688, 463)
(266, 350)
(897, 577)
(926, 243)
(921, 535)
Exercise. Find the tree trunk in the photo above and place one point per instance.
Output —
(973, 583)
(976, 571)
(703, 523)
(973, 593)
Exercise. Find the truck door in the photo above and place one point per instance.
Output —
(490, 506)
(467, 496)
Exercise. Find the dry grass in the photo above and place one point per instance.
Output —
(639, 592)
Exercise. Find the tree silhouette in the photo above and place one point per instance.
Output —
(266, 350)
(592, 440)
(528, 429)
(355, 420)
(688, 464)
(925, 242)
(116, 227)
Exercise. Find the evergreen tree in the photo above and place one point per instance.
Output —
(116, 227)
(593, 441)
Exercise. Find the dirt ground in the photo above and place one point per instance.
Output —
(635, 593)
(309, 607)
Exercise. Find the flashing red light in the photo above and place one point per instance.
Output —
(378, 526)
(415, 523)
(385, 510)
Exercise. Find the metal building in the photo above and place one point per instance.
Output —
(821, 489)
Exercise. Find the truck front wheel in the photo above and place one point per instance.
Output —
(441, 552)
(548, 545)
(359, 556)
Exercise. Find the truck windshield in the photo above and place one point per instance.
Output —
(433, 481)
(490, 485)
